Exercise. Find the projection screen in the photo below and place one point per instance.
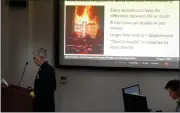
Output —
(139, 34)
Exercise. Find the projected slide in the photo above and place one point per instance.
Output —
(120, 34)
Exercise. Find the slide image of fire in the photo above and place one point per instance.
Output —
(84, 30)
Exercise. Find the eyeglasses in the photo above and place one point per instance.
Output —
(34, 58)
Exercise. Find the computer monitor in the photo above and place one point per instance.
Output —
(134, 90)
(135, 103)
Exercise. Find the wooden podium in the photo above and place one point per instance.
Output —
(15, 99)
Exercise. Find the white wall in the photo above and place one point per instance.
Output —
(5, 39)
(23, 31)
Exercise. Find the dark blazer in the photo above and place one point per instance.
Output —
(178, 106)
(44, 87)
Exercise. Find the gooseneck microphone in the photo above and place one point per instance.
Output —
(23, 74)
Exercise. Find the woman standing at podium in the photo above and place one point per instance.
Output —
(44, 85)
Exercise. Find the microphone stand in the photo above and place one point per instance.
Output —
(23, 74)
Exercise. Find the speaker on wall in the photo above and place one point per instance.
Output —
(18, 3)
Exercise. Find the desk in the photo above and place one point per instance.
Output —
(15, 99)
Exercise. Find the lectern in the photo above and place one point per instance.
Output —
(15, 99)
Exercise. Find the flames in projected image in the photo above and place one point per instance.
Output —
(86, 36)
(85, 23)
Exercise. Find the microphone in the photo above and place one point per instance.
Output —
(23, 74)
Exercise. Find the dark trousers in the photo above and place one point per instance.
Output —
(43, 106)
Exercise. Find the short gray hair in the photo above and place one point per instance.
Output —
(40, 52)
